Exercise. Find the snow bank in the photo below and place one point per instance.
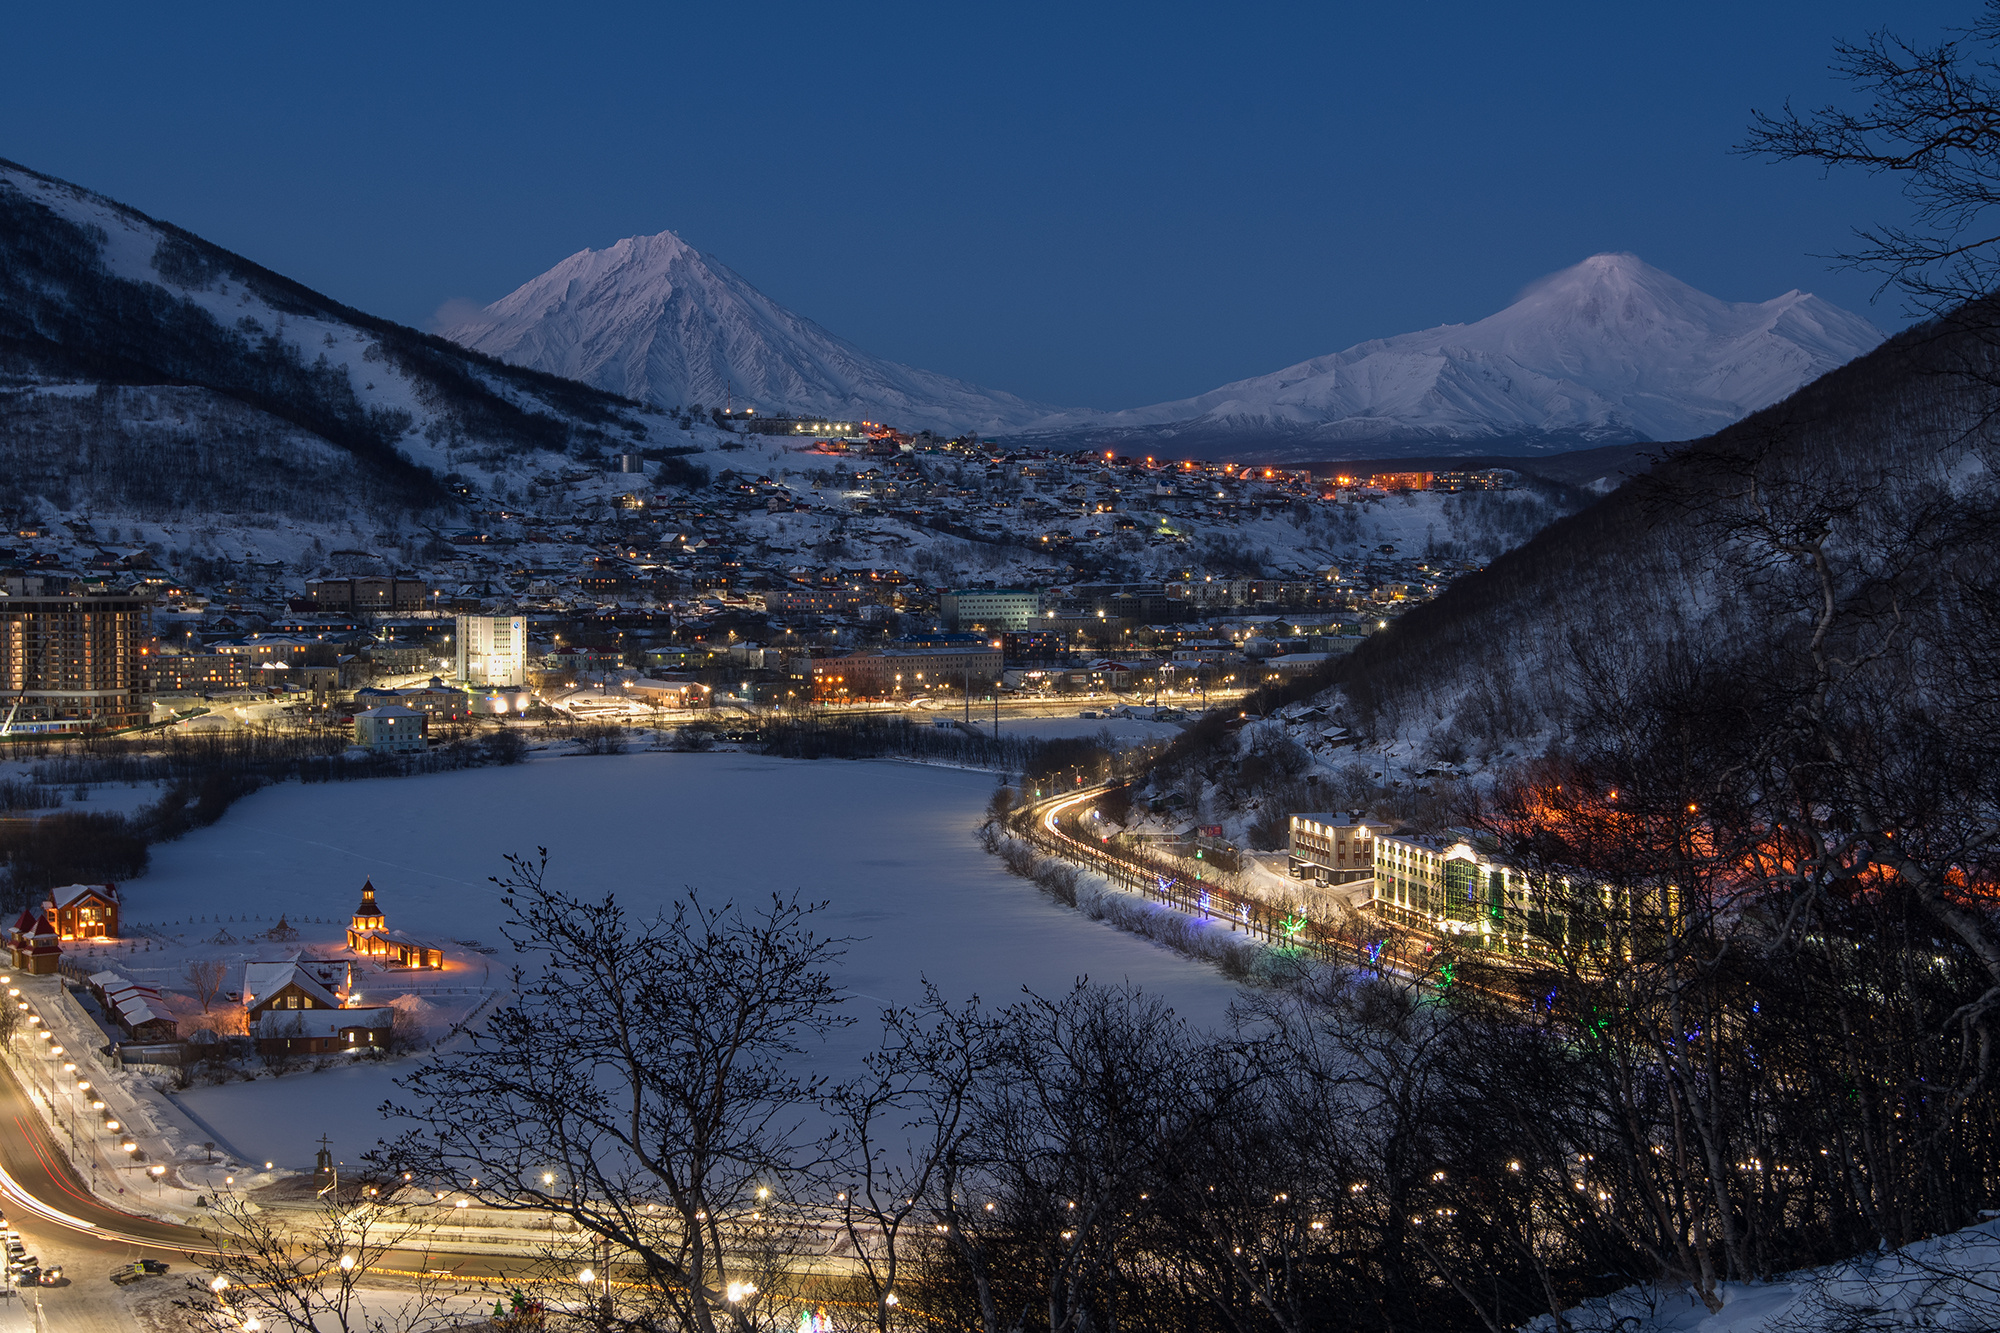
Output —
(1948, 1282)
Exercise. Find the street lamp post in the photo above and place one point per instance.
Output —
(69, 1067)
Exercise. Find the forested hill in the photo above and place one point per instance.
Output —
(1884, 469)
(97, 295)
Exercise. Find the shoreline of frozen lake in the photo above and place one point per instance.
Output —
(890, 845)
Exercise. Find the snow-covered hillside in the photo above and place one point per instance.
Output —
(94, 291)
(653, 318)
(1944, 1283)
(150, 378)
(1609, 350)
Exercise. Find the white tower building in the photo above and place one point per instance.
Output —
(492, 650)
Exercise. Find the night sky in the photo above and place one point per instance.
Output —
(1091, 205)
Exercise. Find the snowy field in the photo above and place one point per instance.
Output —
(889, 844)
(1122, 730)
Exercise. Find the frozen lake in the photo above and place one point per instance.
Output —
(889, 844)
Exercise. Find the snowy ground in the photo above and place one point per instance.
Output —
(889, 844)
(1943, 1283)
(1122, 730)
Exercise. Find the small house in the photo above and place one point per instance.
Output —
(32, 946)
(84, 911)
(315, 1032)
(287, 986)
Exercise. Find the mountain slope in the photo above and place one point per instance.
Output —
(1886, 464)
(1610, 350)
(654, 319)
(98, 296)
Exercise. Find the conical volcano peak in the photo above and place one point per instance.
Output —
(1610, 349)
(653, 318)
(1612, 286)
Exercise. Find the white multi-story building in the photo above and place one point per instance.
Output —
(990, 608)
(493, 650)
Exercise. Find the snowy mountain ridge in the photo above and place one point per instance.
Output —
(1609, 350)
(652, 318)
(95, 290)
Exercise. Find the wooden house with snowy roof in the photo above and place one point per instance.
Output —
(84, 911)
(293, 1010)
(32, 945)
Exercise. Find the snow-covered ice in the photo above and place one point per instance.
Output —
(890, 845)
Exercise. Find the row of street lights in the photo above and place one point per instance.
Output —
(78, 1087)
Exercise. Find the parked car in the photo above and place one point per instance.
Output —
(126, 1274)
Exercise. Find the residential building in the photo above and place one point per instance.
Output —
(796, 601)
(323, 1030)
(438, 701)
(285, 985)
(991, 609)
(293, 1010)
(378, 594)
(198, 673)
(1401, 481)
(1331, 849)
(72, 660)
(136, 1007)
(84, 911)
(887, 672)
(32, 946)
(392, 727)
(492, 650)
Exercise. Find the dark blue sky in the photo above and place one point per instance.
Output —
(1089, 204)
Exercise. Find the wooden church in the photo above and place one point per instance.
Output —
(369, 936)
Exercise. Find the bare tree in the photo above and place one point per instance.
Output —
(204, 977)
(904, 1138)
(308, 1273)
(644, 1086)
(1932, 118)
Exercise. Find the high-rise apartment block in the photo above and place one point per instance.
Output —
(71, 658)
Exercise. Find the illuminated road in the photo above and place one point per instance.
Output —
(1410, 958)
(61, 1222)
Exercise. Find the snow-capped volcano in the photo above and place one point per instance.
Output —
(1609, 350)
(652, 318)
